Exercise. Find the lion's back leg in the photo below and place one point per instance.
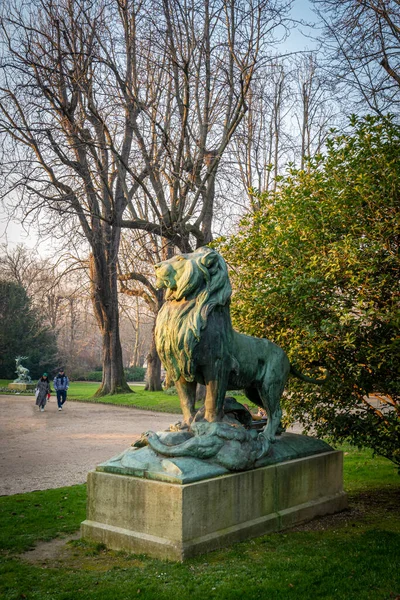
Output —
(271, 394)
(271, 390)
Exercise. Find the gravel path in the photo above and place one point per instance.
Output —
(39, 451)
(56, 448)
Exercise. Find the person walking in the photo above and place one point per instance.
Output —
(42, 391)
(61, 384)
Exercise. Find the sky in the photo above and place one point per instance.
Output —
(13, 233)
(300, 37)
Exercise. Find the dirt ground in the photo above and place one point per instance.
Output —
(39, 451)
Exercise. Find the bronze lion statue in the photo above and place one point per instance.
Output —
(197, 343)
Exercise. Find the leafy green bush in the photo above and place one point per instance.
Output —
(131, 374)
(93, 376)
(317, 270)
(135, 374)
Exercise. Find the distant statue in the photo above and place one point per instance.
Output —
(22, 372)
(197, 344)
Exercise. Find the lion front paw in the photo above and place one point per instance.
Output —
(179, 426)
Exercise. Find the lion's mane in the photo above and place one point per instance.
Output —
(203, 285)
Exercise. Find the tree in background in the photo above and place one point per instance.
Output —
(316, 110)
(139, 253)
(22, 333)
(59, 293)
(41, 278)
(291, 109)
(261, 141)
(117, 114)
(59, 146)
(317, 270)
(361, 43)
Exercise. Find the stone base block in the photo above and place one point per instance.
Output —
(22, 387)
(174, 522)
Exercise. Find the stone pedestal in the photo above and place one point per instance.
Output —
(177, 521)
(22, 387)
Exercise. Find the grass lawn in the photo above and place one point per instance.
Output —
(351, 556)
(83, 391)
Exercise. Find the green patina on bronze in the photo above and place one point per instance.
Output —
(197, 343)
(196, 283)
(210, 450)
(23, 383)
(21, 371)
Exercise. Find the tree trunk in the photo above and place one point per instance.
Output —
(137, 329)
(113, 381)
(209, 212)
(105, 303)
(153, 376)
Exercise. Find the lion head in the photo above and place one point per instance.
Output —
(195, 283)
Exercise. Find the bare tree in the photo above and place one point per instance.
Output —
(257, 137)
(315, 109)
(139, 254)
(136, 341)
(60, 155)
(291, 109)
(362, 47)
(211, 54)
(40, 277)
(57, 291)
(26, 267)
(117, 114)
(263, 142)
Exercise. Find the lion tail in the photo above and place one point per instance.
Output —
(299, 375)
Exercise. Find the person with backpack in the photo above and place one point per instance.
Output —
(61, 385)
